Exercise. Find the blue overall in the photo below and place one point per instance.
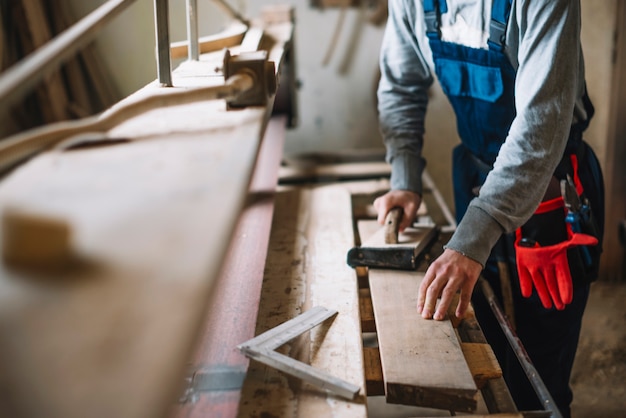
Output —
(479, 84)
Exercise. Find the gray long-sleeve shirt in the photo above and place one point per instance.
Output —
(543, 45)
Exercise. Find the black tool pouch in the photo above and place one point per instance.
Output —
(548, 226)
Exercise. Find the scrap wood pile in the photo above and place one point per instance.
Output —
(81, 87)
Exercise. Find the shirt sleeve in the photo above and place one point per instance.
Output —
(549, 81)
(403, 96)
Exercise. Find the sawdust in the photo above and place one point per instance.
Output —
(599, 374)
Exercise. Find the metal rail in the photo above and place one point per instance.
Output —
(162, 29)
(192, 29)
(534, 379)
(24, 76)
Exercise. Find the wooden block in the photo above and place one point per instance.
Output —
(422, 360)
(374, 383)
(482, 362)
(362, 277)
(495, 392)
(35, 241)
(367, 311)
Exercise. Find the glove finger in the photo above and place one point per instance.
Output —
(552, 285)
(542, 290)
(525, 281)
(564, 279)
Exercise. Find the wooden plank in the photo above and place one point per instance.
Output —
(333, 172)
(230, 37)
(232, 312)
(151, 219)
(367, 311)
(495, 392)
(78, 90)
(482, 362)
(422, 360)
(306, 267)
(40, 34)
(373, 372)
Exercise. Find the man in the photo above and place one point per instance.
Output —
(513, 71)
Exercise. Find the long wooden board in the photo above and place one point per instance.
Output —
(422, 360)
(151, 220)
(306, 267)
(216, 370)
(334, 172)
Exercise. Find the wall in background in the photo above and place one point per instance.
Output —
(337, 100)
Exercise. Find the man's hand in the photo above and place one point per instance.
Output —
(450, 272)
(408, 201)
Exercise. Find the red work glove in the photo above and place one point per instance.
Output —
(548, 269)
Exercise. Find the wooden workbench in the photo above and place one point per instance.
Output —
(150, 215)
(313, 227)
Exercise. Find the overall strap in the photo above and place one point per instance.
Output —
(500, 10)
(432, 15)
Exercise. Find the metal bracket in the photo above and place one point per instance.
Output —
(261, 349)
(262, 71)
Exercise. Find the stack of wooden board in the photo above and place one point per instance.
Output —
(80, 88)
(437, 364)
(433, 364)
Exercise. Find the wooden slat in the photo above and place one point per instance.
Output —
(79, 95)
(306, 267)
(482, 362)
(495, 392)
(230, 37)
(232, 311)
(373, 372)
(39, 29)
(367, 311)
(151, 221)
(334, 172)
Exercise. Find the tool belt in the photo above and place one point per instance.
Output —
(554, 223)
(551, 238)
(558, 246)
